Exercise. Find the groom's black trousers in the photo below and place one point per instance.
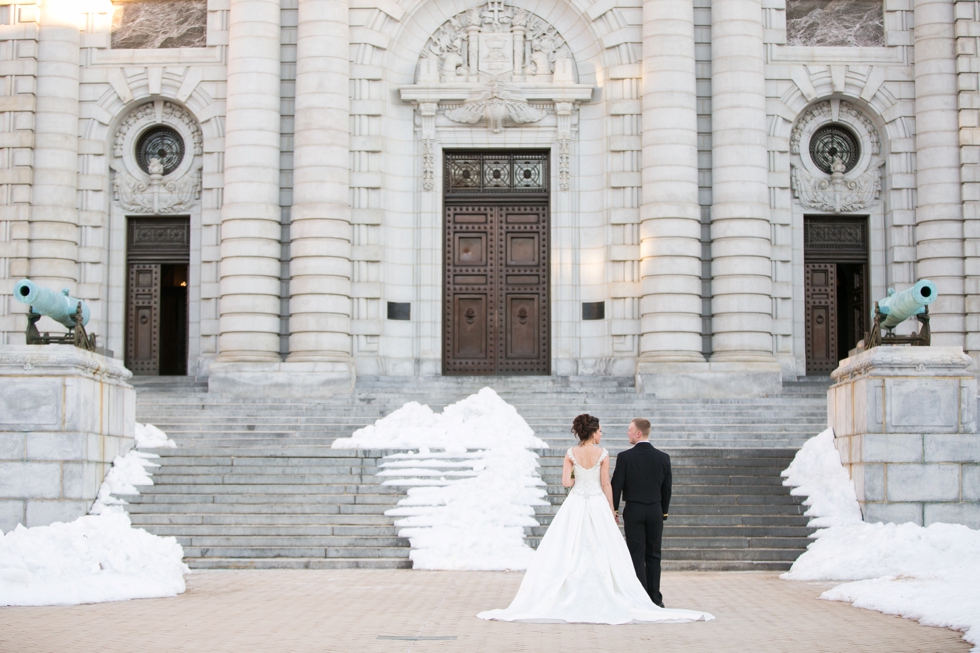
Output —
(644, 524)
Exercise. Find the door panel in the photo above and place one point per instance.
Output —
(496, 290)
(143, 321)
(821, 317)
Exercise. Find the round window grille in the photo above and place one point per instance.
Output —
(161, 143)
(834, 142)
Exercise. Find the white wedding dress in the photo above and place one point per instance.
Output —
(582, 571)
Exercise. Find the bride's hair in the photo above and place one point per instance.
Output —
(585, 426)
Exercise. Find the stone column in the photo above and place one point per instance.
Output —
(320, 230)
(939, 214)
(670, 228)
(53, 232)
(250, 216)
(741, 269)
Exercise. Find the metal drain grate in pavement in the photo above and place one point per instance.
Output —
(410, 638)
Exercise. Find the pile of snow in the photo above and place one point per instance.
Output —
(928, 574)
(150, 437)
(125, 474)
(483, 420)
(469, 502)
(90, 560)
(96, 558)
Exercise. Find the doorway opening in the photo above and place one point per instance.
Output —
(496, 287)
(156, 325)
(836, 289)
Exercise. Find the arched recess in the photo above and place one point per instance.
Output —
(173, 97)
(870, 106)
(603, 45)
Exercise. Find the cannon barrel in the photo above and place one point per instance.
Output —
(900, 306)
(59, 306)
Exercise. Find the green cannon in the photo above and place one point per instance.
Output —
(60, 307)
(898, 307)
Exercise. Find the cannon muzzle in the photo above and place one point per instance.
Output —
(900, 306)
(60, 307)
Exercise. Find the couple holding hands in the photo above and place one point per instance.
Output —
(583, 571)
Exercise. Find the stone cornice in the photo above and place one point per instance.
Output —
(892, 360)
(60, 360)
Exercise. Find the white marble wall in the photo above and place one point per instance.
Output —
(395, 232)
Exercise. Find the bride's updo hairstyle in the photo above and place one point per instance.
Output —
(585, 426)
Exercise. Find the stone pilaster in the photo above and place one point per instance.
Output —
(53, 233)
(250, 216)
(320, 230)
(741, 265)
(939, 214)
(670, 228)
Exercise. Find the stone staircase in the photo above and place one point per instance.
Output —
(262, 507)
(728, 512)
(254, 484)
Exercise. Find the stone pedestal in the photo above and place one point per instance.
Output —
(65, 414)
(711, 380)
(287, 380)
(905, 419)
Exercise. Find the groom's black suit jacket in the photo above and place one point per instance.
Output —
(642, 476)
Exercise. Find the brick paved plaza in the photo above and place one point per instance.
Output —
(361, 610)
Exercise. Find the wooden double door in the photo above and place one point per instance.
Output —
(156, 312)
(836, 289)
(496, 290)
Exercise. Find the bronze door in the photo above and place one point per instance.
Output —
(158, 253)
(143, 321)
(496, 289)
(835, 288)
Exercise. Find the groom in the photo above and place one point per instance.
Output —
(642, 477)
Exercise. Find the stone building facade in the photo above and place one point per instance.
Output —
(707, 194)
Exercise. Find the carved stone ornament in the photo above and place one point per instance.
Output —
(839, 181)
(836, 193)
(153, 190)
(495, 102)
(498, 66)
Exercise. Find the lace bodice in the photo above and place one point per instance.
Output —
(587, 481)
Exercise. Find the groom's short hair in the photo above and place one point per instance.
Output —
(643, 426)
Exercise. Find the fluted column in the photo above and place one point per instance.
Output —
(670, 228)
(250, 216)
(741, 268)
(320, 230)
(53, 231)
(939, 214)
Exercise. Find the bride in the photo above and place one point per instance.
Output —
(582, 572)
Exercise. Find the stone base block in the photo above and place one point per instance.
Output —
(65, 414)
(320, 379)
(894, 389)
(709, 380)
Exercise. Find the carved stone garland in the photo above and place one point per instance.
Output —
(488, 64)
(838, 191)
(154, 192)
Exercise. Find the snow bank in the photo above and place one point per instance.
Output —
(150, 437)
(96, 558)
(928, 574)
(483, 420)
(90, 560)
(468, 502)
(125, 474)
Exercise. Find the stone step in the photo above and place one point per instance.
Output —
(676, 519)
(298, 563)
(268, 519)
(330, 492)
(306, 531)
(673, 544)
(296, 552)
(675, 532)
(286, 542)
(158, 505)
